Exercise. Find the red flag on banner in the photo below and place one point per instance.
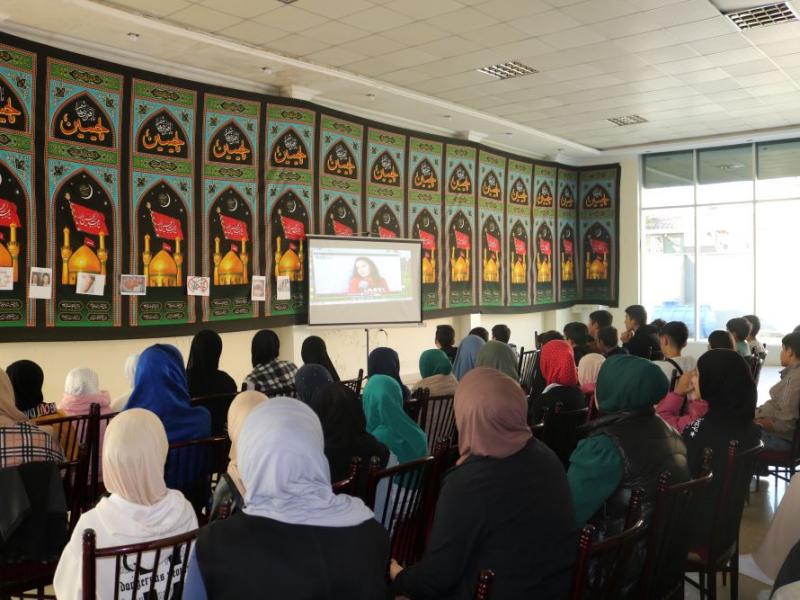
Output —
(293, 230)
(599, 247)
(2, 237)
(428, 240)
(166, 227)
(8, 214)
(234, 229)
(520, 247)
(234, 247)
(88, 220)
(544, 246)
(386, 233)
(493, 243)
(567, 247)
(166, 246)
(88, 242)
(338, 228)
(462, 240)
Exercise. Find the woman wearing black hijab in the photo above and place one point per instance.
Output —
(314, 352)
(27, 379)
(725, 381)
(385, 361)
(345, 429)
(269, 373)
(202, 369)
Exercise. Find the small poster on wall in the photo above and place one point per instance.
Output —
(41, 283)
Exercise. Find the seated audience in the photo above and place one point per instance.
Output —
(628, 447)
(498, 355)
(466, 355)
(386, 420)
(481, 332)
(437, 373)
(81, 390)
(640, 338)
(682, 406)
(740, 330)
(269, 372)
(674, 336)
(778, 415)
(721, 339)
(755, 327)
(557, 365)
(725, 382)
(588, 370)
(608, 342)
(577, 334)
(539, 383)
(445, 338)
(20, 441)
(657, 324)
(549, 336)
(505, 507)
(502, 333)
(117, 404)
(344, 427)
(230, 486)
(27, 379)
(385, 361)
(140, 509)
(597, 320)
(294, 538)
(315, 352)
(202, 369)
(309, 381)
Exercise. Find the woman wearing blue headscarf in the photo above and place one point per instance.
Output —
(466, 355)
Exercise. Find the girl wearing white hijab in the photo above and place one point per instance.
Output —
(130, 377)
(294, 538)
(140, 508)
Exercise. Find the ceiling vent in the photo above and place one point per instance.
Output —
(763, 16)
(629, 120)
(508, 70)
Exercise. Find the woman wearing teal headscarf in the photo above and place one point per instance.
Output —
(437, 373)
(383, 407)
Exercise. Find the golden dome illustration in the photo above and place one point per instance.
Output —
(428, 274)
(83, 260)
(5, 257)
(490, 272)
(163, 270)
(289, 264)
(597, 270)
(460, 271)
(518, 272)
(231, 269)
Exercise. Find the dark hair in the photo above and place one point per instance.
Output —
(481, 332)
(739, 327)
(445, 335)
(721, 339)
(796, 329)
(638, 313)
(609, 336)
(603, 318)
(549, 336)
(501, 333)
(658, 324)
(792, 341)
(265, 347)
(676, 332)
(374, 274)
(577, 333)
(755, 324)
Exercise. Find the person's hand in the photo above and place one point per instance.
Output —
(394, 569)
(626, 336)
(684, 384)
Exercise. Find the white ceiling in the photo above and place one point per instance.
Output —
(678, 63)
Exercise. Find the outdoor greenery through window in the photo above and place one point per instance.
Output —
(719, 228)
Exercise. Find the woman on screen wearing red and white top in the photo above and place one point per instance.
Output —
(366, 278)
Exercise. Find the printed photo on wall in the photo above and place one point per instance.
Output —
(41, 284)
(133, 285)
(259, 289)
(6, 279)
(90, 284)
(198, 286)
(283, 289)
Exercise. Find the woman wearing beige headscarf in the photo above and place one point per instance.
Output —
(506, 506)
(230, 486)
(20, 441)
(140, 508)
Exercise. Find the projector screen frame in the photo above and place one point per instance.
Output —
(370, 325)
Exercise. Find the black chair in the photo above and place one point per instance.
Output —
(670, 530)
(193, 466)
(782, 464)
(356, 384)
(217, 405)
(560, 430)
(721, 552)
(349, 485)
(756, 363)
(599, 570)
(528, 364)
(163, 579)
(483, 591)
(436, 417)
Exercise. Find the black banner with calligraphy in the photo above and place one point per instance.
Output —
(598, 220)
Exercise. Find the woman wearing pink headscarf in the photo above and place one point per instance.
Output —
(557, 363)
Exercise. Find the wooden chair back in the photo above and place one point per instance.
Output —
(349, 485)
(169, 558)
(670, 530)
(756, 362)
(436, 417)
(561, 430)
(217, 405)
(483, 591)
(73, 473)
(192, 466)
(600, 566)
(528, 364)
(356, 384)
